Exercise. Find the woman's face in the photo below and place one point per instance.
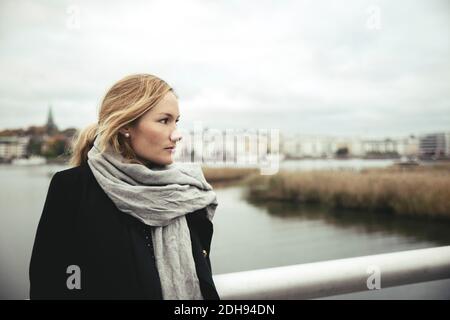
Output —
(156, 131)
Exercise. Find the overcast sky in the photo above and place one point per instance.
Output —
(371, 68)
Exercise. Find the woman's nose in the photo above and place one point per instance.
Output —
(176, 136)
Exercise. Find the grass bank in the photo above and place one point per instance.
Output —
(417, 191)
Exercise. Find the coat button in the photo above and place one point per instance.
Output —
(205, 253)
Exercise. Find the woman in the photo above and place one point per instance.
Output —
(126, 222)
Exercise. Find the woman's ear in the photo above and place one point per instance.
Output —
(125, 132)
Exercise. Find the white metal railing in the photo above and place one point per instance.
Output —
(328, 278)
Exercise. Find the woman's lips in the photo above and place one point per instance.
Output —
(171, 150)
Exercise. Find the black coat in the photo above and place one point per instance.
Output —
(81, 226)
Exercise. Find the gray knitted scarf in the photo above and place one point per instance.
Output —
(160, 196)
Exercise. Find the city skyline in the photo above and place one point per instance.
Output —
(287, 133)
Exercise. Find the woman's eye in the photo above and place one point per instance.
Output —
(166, 119)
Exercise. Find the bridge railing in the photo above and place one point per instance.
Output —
(328, 278)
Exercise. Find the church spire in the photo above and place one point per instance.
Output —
(51, 126)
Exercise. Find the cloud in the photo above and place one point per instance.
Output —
(308, 66)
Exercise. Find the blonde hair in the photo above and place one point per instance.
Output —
(124, 103)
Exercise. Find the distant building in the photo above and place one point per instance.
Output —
(408, 146)
(380, 145)
(13, 147)
(435, 145)
(227, 146)
(51, 126)
(309, 146)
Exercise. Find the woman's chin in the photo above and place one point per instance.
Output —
(163, 161)
(166, 161)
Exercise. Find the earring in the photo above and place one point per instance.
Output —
(127, 135)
